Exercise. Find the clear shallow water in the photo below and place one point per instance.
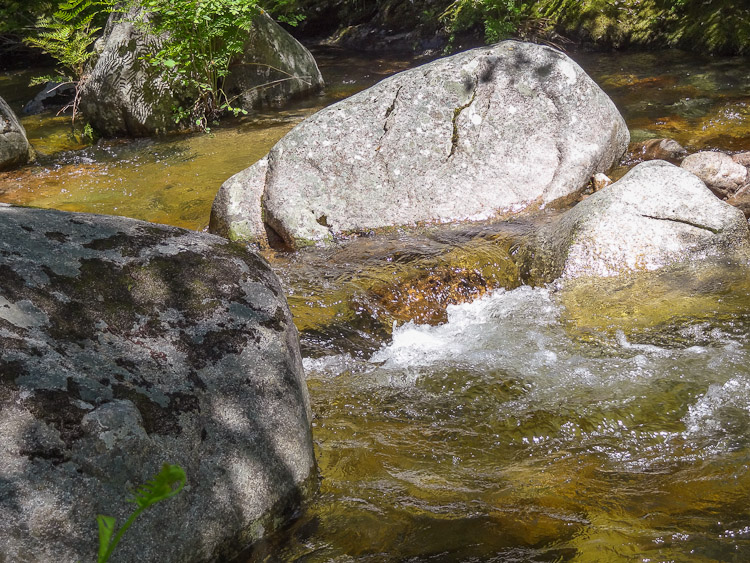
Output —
(171, 180)
(702, 102)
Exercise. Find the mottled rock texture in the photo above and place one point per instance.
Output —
(485, 133)
(719, 172)
(658, 214)
(124, 94)
(125, 345)
(15, 149)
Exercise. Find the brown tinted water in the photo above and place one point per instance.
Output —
(599, 422)
(704, 103)
(170, 180)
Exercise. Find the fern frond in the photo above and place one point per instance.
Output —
(161, 487)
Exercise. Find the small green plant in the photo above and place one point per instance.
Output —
(166, 484)
(500, 18)
(67, 35)
(199, 39)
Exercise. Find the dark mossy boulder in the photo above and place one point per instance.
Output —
(125, 95)
(272, 69)
(126, 345)
(15, 149)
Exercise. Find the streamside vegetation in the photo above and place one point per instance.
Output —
(200, 38)
(713, 26)
(67, 35)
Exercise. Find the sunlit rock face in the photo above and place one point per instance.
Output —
(487, 133)
(125, 95)
(720, 172)
(656, 215)
(125, 345)
(14, 146)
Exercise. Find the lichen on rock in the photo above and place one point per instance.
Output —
(126, 345)
(488, 133)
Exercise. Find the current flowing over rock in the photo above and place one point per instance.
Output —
(490, 132)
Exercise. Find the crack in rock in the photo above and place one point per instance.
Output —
(456, 113)
(684, 222)
(388, 113)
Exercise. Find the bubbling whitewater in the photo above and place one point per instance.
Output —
(503, 435)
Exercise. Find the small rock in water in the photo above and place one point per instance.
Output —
(741, 200)
(658, 149)
(719, 172)
(657, 215)
(52, 97)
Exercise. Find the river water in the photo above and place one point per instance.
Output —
(460, 415)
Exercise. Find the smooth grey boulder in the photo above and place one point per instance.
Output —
(486, 133)
(15, 149)
(719, 172)
(124, 94)
(658, 214)
(125, 345)
(273, 68)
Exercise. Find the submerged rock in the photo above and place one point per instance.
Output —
(54, 96)
(126, 345)
(719, 171)
(658, 149)
(489, 132)
(125, 95)
(658, 214)
(15, 149)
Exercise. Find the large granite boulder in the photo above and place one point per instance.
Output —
(485, 133)
(124, 94)
(15, 149)
(657, 215)
(125, 345)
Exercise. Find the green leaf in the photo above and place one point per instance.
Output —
(161, 487)
(169, 63)
(106, 529)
